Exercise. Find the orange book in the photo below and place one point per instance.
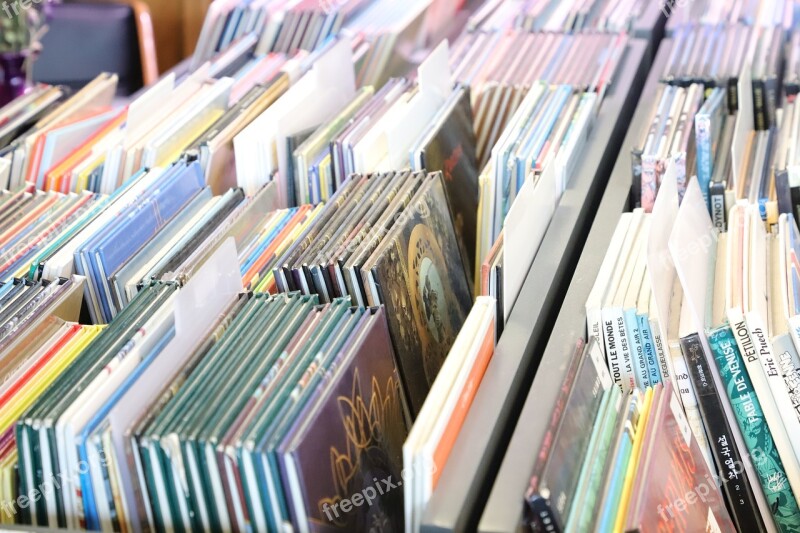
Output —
(55, 175)
(442, 451)
(38, 147)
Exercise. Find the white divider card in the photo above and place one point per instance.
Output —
(659, 262)
(261, 148)
(745, 123)
(692, 246)
(197, 305)
(412, 117)
(524, 229)
(386, 146)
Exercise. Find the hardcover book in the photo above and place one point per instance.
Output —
(344, 459)
(417, 273)
(451, 150)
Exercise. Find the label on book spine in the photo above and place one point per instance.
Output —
(649, 350)
(638, 359)
(617, 348)
(661, 352)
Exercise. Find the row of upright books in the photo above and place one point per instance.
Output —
(267, 289)
(679, 410)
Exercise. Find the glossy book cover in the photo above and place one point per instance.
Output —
(342, 464)
(421, 280)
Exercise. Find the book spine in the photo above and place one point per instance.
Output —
(638, 359)
(733, 95)
(770, 100)
(783, 192)
(735, 485)
(617, 347)
(683, 383)
(759, 105)
(636, 174)
(702, 126)
(755, 430)
(664, 362)
(761, 384)
(594, 324)
(779, 389)
(716, 198)
(649, 184)
(649, 350)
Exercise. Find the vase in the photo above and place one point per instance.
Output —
(12, 76)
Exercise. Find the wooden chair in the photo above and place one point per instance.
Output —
(89, 37)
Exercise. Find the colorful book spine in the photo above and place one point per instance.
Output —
(756, 432)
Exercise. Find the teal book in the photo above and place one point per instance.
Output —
(637, 350)
(755, 431)
(649, 347)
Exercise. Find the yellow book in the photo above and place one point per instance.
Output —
(8, 488)
(172, 149)
(38, 383)
(633, 463)
(85, 171)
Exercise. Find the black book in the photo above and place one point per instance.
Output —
(783, 192)
(735, 486)
(450, 148)
(772, 76)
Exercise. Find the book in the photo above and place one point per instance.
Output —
(733, 481)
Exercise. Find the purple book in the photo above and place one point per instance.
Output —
(341, 462)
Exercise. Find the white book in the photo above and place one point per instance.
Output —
(618, 337)
(594, 302)
(681, 378)
(631, 307)
(612, 319)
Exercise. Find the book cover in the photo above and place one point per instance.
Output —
(420, 278)
(451, 150)
(678, 492)
(346, 459)
(549, 502)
